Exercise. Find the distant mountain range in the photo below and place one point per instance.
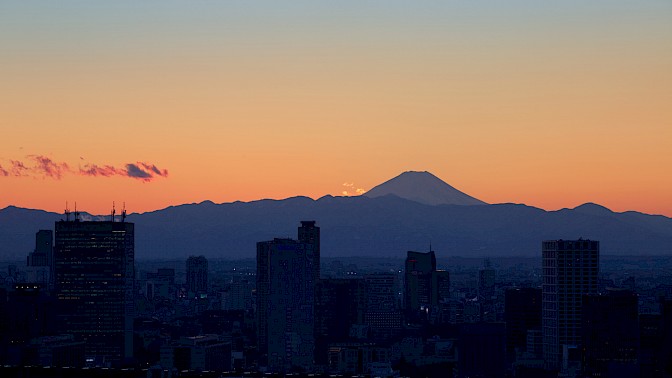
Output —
(406, 213)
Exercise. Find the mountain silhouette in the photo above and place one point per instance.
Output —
(370, 226)
(422, 187)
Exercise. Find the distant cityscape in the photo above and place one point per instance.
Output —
(82, 305)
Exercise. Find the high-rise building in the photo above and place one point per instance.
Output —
(94, 278)
(611, 334)
(418, 280)
(310, 234)
(424, 286)
(570, 270)
(339, 305)
(40, 261)
(382, 292)
(522, 313)
(197, 274)
(486, 282)
(285, 304)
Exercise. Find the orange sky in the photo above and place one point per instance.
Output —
(548, 105)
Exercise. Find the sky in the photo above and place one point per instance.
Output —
(153, 104)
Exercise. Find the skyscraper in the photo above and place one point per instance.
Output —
(40, 261)
(424, 286)
(418, 280)
(522, 313)
(94, 276)
(570, 270)
(611, 334)
(285, 304)
(310, 234)
(197, 274)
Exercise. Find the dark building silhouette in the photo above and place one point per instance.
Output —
(31, 314)
(203, 352)
(650, 342)
(486, 282)
(40, 261)
(482, 350)
(310, 234)
(285, 304)
(486, 292)
(424, 286)
(197, 274)
(570, 270)
(61, 350)
(383, 315)
(418, 280)
(94, 278)
(610, 334)
(43, 253)
(522, 313)
(339, 304)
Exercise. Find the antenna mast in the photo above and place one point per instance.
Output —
(123, 213)
(67, 212)
(113, 211)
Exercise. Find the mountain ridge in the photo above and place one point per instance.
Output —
(383, 224)
(361, 226)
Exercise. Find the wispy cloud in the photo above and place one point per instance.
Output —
(18, 169)
(144, 171)
(41, 166)
(95, 170)
(351, 190)
(48, 167)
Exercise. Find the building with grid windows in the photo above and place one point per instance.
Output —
(94, 277)
(570, 270)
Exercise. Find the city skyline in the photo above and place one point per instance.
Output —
(180, 103)
(105, 311)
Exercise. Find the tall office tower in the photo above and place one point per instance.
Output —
(424, 286)
(40, 261)
(285, 304)
(94, 275)
(310, 234)
(486, 281)
(440, 286)
(382, 292)
(611, 334)
(339, 305)
(522, 313)
(418, 280)
(197, 274)
(383, 314)
(570, 269)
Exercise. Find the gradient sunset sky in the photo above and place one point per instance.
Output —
(551, 104)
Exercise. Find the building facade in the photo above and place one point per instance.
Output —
(94, 278)
(40, 261)
(285, 304)
(570, 270)
(424, 286)
(309, 233)
(197, 274)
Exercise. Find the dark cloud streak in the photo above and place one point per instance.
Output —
(45, 167)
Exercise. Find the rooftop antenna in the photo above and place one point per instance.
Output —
(113, 211)
(123, 213)
(76, 213)
(67, 212)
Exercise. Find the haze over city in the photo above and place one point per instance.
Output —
(551, 105)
